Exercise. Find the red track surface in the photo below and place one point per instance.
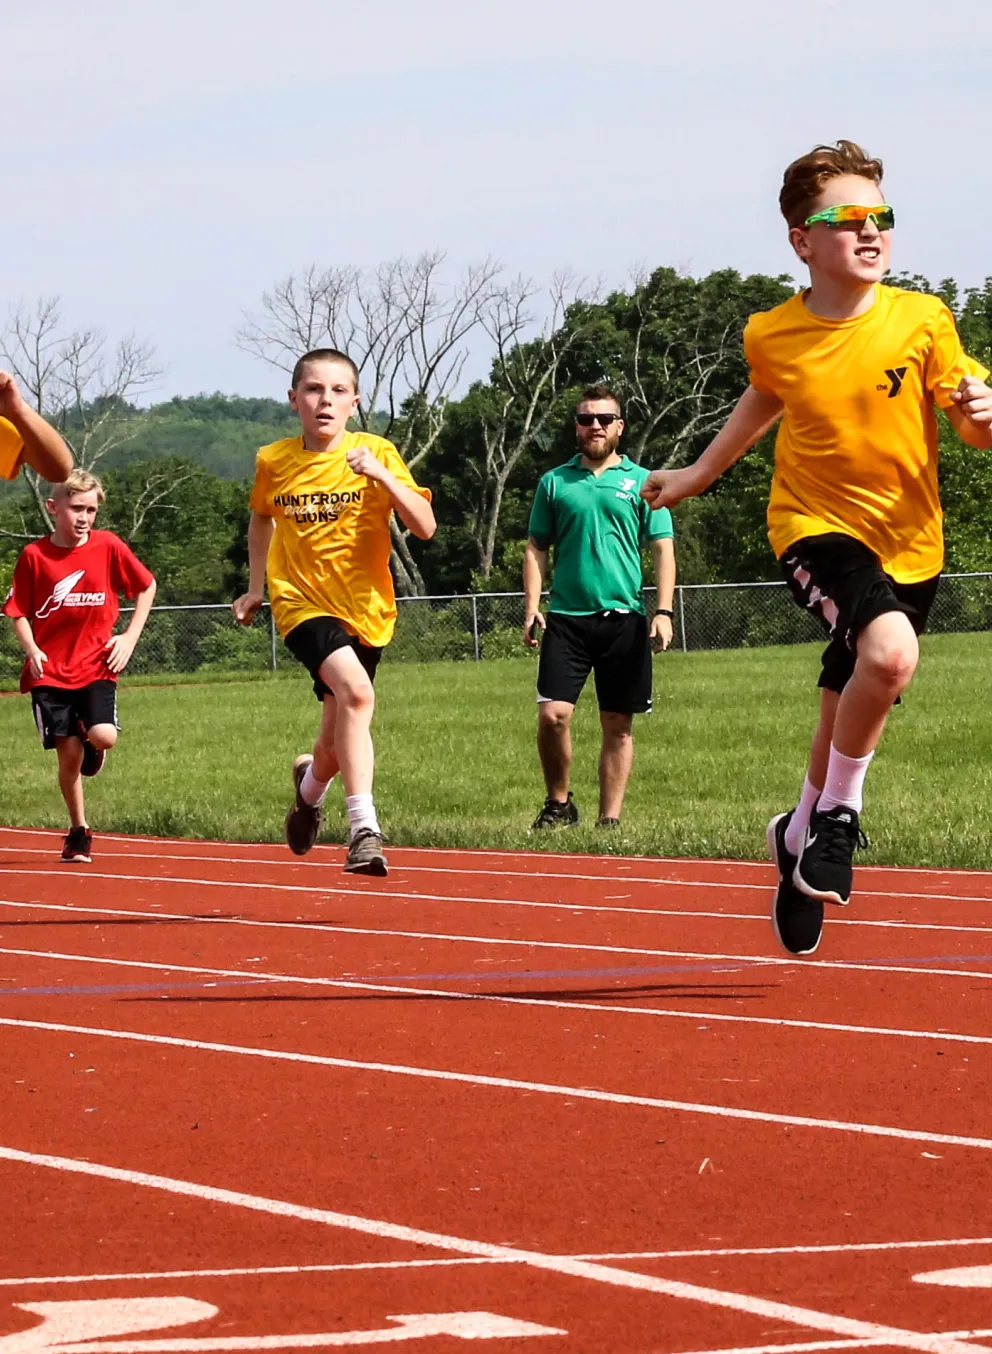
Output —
(586, 1096)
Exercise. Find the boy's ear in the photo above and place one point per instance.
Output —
(292, 398)
(50, 505)
(799, 240)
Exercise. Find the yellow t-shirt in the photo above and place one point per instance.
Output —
(857, 446)
(330, 551)
(11, 447)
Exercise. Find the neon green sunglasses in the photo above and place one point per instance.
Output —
(850, 214)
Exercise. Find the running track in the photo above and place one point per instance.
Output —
(545, 1102)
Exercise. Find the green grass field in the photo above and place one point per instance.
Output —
(724, 749)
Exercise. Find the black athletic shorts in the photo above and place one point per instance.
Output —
(314, 640)
(843, 583)
(59, 710)
(613, 645)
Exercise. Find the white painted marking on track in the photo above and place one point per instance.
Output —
(332, 929)
(708, 1253)
(87, 1326)
(93, 1318)
(511, 1084)
(968, 1276)
(336, 854)
(560, 904)
(561, 1265)
(570, 1004)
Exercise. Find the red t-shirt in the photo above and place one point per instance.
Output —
(69, 596)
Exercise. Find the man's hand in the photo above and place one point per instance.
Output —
(534, 627)
(661, 633)
(119, 651)
(974, 398)
(663, 488)
(246, 606)
(362, 461)
(11, 403)
(36, 661)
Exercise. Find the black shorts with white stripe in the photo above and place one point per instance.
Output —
(843, 584)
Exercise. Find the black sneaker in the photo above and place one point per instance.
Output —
(303, 820)
(93, 759)
(823, 869)
(797, 920)
(365, 854)
(77, 849)
(556, 814)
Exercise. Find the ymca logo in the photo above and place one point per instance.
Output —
(63, 595)
(896, 376)
(627, 485)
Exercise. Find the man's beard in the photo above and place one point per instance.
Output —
(599, 451)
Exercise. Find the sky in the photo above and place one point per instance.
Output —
(166, 163)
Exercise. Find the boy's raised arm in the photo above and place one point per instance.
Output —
(260, 532)
(752, 416)
(44, 449)
(412, 508)
(971, 413)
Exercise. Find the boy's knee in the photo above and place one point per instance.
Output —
(356, 697)
(554, 717)
(102, 736)
(891, 665)
(617, 728)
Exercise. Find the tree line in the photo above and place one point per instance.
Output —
(177, 473)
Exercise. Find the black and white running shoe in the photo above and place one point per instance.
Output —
(824, 869)
(796, 919)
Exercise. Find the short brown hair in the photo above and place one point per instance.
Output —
(323, 355)
(79, 482)
(600, 392)
(805, 179)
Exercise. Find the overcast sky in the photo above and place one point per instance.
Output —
(165, 162)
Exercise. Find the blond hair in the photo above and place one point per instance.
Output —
(806, 178)
(79, 482)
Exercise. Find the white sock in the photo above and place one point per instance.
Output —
(361, 813)
(312, 790)
(845, 781)
(799, 821)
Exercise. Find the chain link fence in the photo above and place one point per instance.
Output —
(207, 639)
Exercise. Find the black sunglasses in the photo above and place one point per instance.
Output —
(604, 420)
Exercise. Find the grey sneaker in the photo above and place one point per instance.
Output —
(93, 759)
(608, 823)
(303, 820)
(365, 854)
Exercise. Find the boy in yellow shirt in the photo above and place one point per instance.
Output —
(319, 531)
(26, 438)
(853, 368)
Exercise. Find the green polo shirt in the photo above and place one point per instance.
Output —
(596, 524)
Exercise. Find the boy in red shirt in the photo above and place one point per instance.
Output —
(64, 605)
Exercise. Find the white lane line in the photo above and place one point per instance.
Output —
(567, 1004)
(332, 929)
(560, 904)
(334, 854)
(562, 1265)
(262, 1270)
(507, 1084)
(255, 1271)
(813, 1346)
(603, 1006)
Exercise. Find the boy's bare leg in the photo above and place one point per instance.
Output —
(70, 754)
(615, 761)
(354, 705)
(325, 759)
(102, 736)
(888, 652)
(554, 746)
